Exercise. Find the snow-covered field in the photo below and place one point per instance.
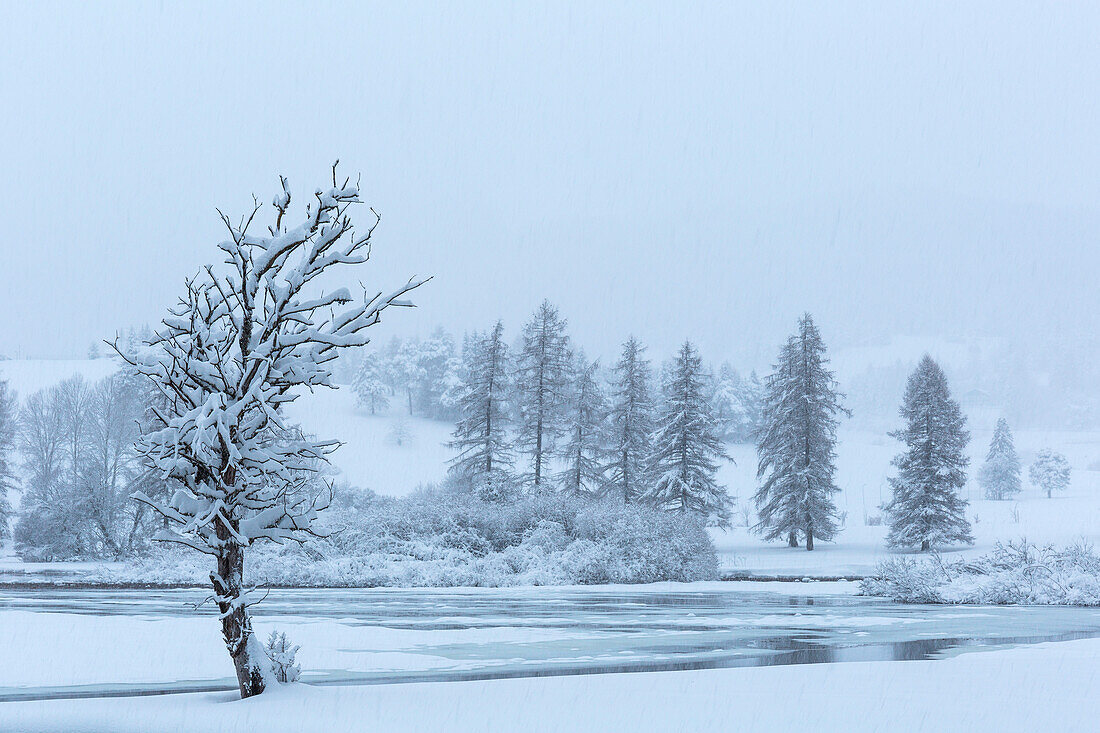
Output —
(1049, 687)
(371, 458)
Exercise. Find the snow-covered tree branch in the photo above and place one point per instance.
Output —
(242, 341)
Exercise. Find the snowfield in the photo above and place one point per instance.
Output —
(1049, 687)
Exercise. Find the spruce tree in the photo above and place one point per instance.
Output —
(725, 398)
(1000, 475)
(927, 509)
(369, 385)
(752, 401)
(542, 385)
(631, 423)
(797, 442)
(686, 447)
(484, 461)
(585, 452)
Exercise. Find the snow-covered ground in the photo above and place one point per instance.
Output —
(372, 458)
(1050, 687)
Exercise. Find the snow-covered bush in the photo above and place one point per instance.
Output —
(1050, 471)
(438, 538)
(282, 655)
(1014, 573)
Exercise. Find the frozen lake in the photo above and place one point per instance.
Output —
(126, 642)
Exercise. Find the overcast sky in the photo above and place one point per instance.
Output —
(674, 171)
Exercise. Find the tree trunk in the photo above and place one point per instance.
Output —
(792, 540)
(809, 539)
(249, 659)
(1048, 493)
(925, 546)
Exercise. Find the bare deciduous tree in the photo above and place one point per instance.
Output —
(241, 342)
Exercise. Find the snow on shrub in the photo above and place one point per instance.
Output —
(438, 538)
(1014, 573)
(282, 655)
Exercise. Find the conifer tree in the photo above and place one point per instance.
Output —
(752, 402)
(631, 423)
(686, 447)
(797, 442)
(484, 461)
(585, 452)
(1000, 475)
(370, 386)
(725, 398)
(927, 509)
(542, 386)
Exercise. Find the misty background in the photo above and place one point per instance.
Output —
(918, 178)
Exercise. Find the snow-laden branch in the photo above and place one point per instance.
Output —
(241, 342)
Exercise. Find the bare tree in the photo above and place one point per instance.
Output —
(241, 342)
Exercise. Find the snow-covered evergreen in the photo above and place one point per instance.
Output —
(687, 450)
(1000, 474)
(631, 424)
(927, 510)
(485, 457)
(369, 385)
(433, 357)
(585, 452)
(543, 372)
(242, 342)
(1050, 471)
(797, 443)
(737, 402)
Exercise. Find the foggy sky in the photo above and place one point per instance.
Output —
(704, 172)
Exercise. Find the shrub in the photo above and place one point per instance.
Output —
(282, 655)
(1013, 573)
(440, 538)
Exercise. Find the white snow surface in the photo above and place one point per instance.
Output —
(985, 691)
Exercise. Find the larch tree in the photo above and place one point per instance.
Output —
(687, 449)
(631, 424)
(485, 458)
(797, 443)
(369, 385)
(927, 509)
(585, 452)
(542, 380)
(1000, 474)
(1050, 471)
(244, 340)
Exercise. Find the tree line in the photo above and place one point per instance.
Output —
(540, 416)
(536, 417)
